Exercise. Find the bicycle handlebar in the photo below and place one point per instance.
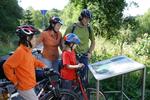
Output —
(3, 84)
(50, 72)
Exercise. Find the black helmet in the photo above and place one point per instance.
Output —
(54, 20)
(86, 13)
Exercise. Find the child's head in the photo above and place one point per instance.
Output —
(71, 40)
(25, 34)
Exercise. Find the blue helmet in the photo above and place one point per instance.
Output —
(86, 13)
(72, 38)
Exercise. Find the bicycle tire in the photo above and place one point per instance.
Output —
(64, 94)
(91, 92)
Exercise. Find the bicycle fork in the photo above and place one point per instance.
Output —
(82, 88)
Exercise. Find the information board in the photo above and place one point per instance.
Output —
(115, 66)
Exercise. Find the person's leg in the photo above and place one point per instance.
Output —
(28, 94)
(66, 84)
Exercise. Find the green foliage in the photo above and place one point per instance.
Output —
(39, 19)
(106, 49)
(70, 14)
(144, 22)
(142, 46)
(28, 18)
(10, 13)
(107, 15)
(8, 43)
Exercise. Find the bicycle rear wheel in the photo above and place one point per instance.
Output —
(64, 94)
(91, 92)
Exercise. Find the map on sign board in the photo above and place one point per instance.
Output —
(114, 66)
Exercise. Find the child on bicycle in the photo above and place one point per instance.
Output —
(68, 71)
(20, 67)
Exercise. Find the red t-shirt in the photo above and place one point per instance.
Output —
(69, 58)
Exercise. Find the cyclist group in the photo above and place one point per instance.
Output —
(76, 51)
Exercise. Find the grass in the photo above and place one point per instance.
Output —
(106, 49)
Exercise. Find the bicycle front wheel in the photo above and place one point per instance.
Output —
(91, 92)
(63, 94)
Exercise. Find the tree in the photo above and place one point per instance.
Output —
(145, 22)
(11, 12)
(28, 17)
(70, 13)
(107, 15)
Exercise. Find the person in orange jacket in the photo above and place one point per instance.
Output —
(51, 38)
(20, 67)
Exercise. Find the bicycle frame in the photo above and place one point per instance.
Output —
(88, 93)
(45, 83)
(8, 88)
(82, 88)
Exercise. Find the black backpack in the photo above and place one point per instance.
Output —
(74, 26)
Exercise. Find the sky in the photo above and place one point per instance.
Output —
(43, 4)
(144, 5)
(59, 4)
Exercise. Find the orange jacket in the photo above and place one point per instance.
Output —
(20, 68)
(51, 43)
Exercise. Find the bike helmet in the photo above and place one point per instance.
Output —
(86, 13)
(25, 34)
(25, 31)
(54, 20)
(72, 38)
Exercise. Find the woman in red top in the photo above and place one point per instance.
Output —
(68, 71)
(51, 38)
(20, 67)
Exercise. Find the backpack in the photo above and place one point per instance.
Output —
(74, 26)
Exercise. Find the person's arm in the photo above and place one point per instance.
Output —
(61, 44)
(92, 46)
(9, 72)
(39, 64)
(10, 65)
(75, 66)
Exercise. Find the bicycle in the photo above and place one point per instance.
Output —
(44, 89)
(8, 91)
(53, 92)
(88, 93)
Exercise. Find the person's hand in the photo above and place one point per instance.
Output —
(45, 66)
(80, 65)
(89, 55)
(15, 84)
